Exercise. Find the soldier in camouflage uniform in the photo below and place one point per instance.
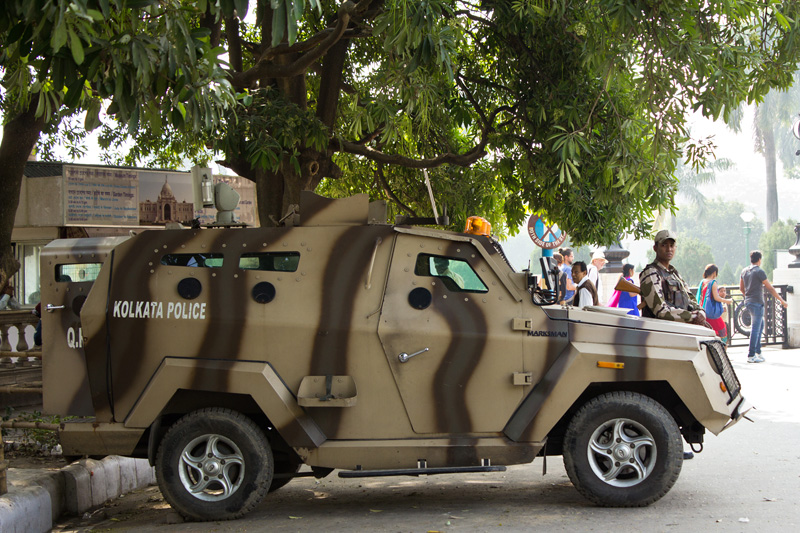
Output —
(664, 292)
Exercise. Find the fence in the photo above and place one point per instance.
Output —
(738, 318)
(17, 327)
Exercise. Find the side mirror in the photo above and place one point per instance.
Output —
(549, 272)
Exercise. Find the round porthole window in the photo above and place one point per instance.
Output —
(420, 298)
(189, 288)
(264, 292)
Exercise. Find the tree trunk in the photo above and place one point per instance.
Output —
(772, 183)
(277, 191)
(20, 135)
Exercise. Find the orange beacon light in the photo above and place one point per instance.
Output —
(478, 226)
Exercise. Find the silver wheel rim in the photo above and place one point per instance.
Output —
(622, 452)
(211, 468)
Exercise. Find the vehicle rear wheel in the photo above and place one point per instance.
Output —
(214, 464)
(623, 449)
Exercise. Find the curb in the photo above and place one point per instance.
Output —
(37, 498)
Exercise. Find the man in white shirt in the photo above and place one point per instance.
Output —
(585, 293)
(598, 262)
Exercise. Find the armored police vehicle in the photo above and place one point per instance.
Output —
(231, 357)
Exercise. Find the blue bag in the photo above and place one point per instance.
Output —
(712, 307)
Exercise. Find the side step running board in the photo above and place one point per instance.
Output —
(421, 471)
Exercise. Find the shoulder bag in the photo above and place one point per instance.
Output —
(712, 307)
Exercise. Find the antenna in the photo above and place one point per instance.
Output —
(443, 220)
(430, 193)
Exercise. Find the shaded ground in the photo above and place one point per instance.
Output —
(26, 459)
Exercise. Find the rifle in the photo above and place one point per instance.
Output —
(627, 286)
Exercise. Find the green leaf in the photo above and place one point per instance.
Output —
(59, 37)
(92, 120)
(76, 47)
(104, 7)
(241, 8)
(74, 92)
(16, 33)
(139, 4)
(278, 23)
(227, 7)
(291, 23)
(299, 7)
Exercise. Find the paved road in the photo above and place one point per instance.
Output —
(747, 479)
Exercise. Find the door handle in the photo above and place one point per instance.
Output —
(50, 307)
(403, 357)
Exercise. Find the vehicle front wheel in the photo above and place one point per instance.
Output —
(623, 449)
(214, 464)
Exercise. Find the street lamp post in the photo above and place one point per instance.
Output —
(747, 217)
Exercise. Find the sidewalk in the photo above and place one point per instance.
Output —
(36, 498)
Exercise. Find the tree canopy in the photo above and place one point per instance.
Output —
(571, 108)
(772, 138)
(574, 109)
(719, 226)
(143, 62)
(780, 236)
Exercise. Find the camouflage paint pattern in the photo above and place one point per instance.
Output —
(498, 374)
(652, 279)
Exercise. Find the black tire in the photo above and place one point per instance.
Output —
(742, 320)
(221, 442)
(285, 463)
(648, 446)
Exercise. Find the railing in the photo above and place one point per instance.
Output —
(738, 318)
(13, 325)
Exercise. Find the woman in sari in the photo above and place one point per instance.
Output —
(709, 283)
(624, 299)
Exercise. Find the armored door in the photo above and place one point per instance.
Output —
(446, 329)
(68, 270)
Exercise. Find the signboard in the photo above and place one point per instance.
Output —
(545, 235)
(109, 197)
(101, 196)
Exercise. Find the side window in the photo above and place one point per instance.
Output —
(77, 272)
(270, 261)
(193, 260)
(456, 274)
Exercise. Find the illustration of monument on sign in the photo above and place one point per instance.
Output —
(165, 208)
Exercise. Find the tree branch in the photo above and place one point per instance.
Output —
(461, 160)
(234, 43)
(388, 191)
(265, 69)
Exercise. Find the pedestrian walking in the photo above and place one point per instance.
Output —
(752, 283)
(568, 256)
(597, 263)
(707, 294)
